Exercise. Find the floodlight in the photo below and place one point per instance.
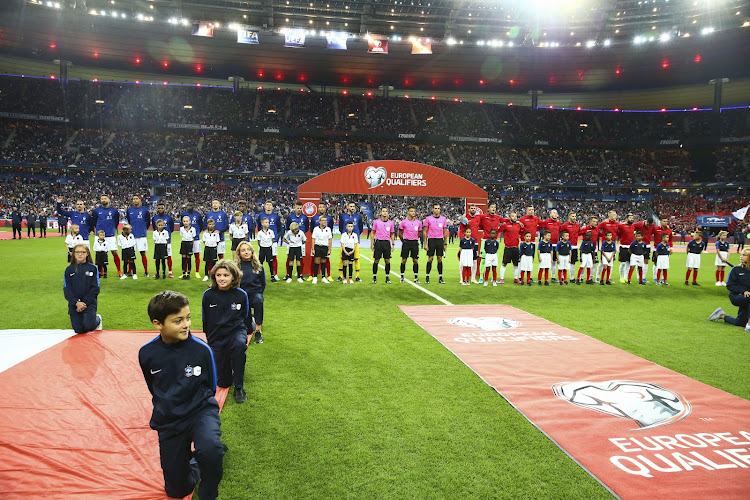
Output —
(591, 43)
(607, 42)
(665, 37)
(707, 31)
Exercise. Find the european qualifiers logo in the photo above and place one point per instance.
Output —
(648, 405)
(376, 177)
(485, 324)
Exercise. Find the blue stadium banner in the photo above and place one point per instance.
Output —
(714, 220)
(294, 38)
(336, 40)
(245, 35)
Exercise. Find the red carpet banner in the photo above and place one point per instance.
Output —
(639, 428)
(75, 422)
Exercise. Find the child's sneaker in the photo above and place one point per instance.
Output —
(288, 280)
(156, 276)
(123, 276)
(487, 283)
(258, 337)
(197, 275)
(546, 283)
(300, 280)
(135, 276)
(205, 278)
(351, 281)
(494, 283)
(502, 281)
(324, 280)
(315, 280)
(170, 274)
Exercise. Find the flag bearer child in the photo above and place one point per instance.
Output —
(188, 236)
(100, 250)
(126, 241)
(663, 251)
(637, 251)
(466, 256)
(73, 239)
(211, 239)
(161, 240)
(545, 257)
(491, 247)
(588, 248)
(608, 258)
(181, 375)
(722, 257)
(526, 249)
(695, 248)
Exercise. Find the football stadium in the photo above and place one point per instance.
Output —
(374, 249)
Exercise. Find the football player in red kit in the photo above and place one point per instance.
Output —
(531, 223)
(647, 228)
(626, 233)
(511, 255)
(573, 229)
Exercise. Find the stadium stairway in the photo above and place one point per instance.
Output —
(67, 143)
(413, 115)
(9, 139)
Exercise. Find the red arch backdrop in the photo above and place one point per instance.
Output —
(393, 177)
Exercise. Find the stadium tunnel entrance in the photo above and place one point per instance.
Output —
(388, 177)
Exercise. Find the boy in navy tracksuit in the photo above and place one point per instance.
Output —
(81, 288)
(225, 308)
(181, 376)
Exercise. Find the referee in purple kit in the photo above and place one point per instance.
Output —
(382, 238)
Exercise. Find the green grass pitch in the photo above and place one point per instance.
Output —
(349, 398)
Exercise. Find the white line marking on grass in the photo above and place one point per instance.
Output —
(398, 276)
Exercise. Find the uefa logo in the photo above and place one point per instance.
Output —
(309, 209)
(648, 405)
(375, 176)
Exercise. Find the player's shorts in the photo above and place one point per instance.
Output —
(111, 243)
(563, 262)
(587, 260)
(275, 249)
(210, 254)
(197, 246)
(573, 255)
(321, 251)
(662, 262)
(141, 244)
(637, 260)
(490, 259)
(265, 254)
(435, 246)
(382, 249)
(347, 257)
(624, 255)
(236, 242)
(466, 258)
(221, 247)
(128, 253)
(693, 260)
(719, 256)
(294, 253)
(511, 254)
(410, 248)
(607, 262)
(545, 260)
(527, 263)
(186, 248)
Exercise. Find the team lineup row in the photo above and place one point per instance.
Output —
(559, 249)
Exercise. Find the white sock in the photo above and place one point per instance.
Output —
(627, 269)
(645, 269)
(516, 272)
(654, 270)
(554, 270)
(598, 271)
(502, 272)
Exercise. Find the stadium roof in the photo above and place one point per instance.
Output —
(550, 45)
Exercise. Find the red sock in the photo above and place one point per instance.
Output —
(275, 264)
(588, 274)
(665, 275)
(609, 273)
(539, 278)
(630, 273)
(494, 274)
(116, 258)
(479, 262)
(328, 267)
(546, 275)
(722, 274)
(197, 262)
(640, 274)
(559, 275)
(169, 263)
(687, 275)
(695, 275)
(565, 275)
(604, 272)
(145, 263)
(486, 273)
(718, 273)
(658, 275)
(580, 270)
(522, 273)
(210, 266)
(287, 266)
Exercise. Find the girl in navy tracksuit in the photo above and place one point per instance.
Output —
(254, 283)
(81, 288)
(225, 307)
(738, 285)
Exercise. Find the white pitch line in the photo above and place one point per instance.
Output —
(431, 294)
